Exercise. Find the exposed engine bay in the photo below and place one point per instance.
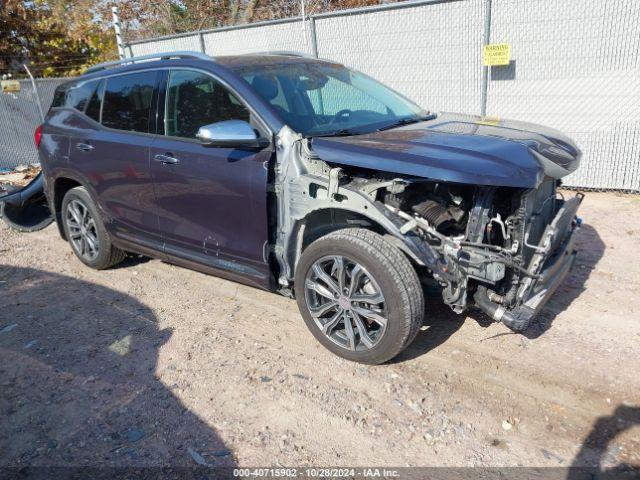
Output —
(502, 249)
(494, 241)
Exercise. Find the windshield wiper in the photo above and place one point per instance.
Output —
(344, 132)
(406, 121)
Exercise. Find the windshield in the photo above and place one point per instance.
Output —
(317, 99)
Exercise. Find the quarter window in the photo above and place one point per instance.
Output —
(75, 96)
(93, 107)
(59, 96)
(196, 99)
(127, 101)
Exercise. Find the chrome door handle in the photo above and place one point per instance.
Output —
(85, 147)
(166, 159)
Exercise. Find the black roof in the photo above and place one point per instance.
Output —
(232, 62)
(257, 59)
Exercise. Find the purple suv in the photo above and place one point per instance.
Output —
(307, 178)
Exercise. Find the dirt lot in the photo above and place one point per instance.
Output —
(151, 364)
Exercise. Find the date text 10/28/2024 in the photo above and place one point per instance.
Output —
(310, 472)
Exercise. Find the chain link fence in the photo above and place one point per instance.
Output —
(575, 67)
(574, 64)
(19, 118)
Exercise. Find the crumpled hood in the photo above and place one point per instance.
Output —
(460, 148)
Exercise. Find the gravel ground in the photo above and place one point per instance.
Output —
(151, 364)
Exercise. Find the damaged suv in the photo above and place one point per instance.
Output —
(304, 177)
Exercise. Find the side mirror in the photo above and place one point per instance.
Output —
(231, 134)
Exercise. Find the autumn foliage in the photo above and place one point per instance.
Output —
(62, 37)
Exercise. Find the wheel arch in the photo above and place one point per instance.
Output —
(318, 223)
(61, 186)
(323, 221)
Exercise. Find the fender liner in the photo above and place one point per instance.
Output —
(27, 210)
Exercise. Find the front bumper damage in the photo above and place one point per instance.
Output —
(551, 263)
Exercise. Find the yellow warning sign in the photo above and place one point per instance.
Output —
(10, 86)
(496, 54)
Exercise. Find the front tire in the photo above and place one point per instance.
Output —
(86, 233)
(359, 295)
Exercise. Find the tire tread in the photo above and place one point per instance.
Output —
(114, 255)
(400, 269)
(402, 274)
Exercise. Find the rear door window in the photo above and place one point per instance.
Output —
(127, 101)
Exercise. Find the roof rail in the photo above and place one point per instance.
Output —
(286, 53)
(144, 58)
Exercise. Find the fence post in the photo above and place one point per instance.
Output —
(303, 17)
(314, 39)
(201, 38)
(35, 91)
(486, 38)
(116, 28)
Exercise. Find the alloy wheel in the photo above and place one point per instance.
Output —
(82, 230)
(346, 302)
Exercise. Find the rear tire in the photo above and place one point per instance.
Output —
(359, 295)
(86, 233)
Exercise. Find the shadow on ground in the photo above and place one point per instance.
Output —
(441, 322)
(598, 456)
(590, 249)
(78, 383)
(132, 260)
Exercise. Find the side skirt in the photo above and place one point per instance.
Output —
(234, 271)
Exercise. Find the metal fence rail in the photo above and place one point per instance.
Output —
(19, 117)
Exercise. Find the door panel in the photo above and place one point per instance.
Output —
(117, 166)
(115, 160)
(211, 202)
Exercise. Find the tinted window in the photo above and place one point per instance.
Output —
(59, 96)
(74, 96)
(93, 107)
(195, 99)
(316, 92)
(330, 99)
(272, 89)
(127, 101)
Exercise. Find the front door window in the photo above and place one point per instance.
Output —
(196, 99)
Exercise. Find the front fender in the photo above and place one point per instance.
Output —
(354, 202)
